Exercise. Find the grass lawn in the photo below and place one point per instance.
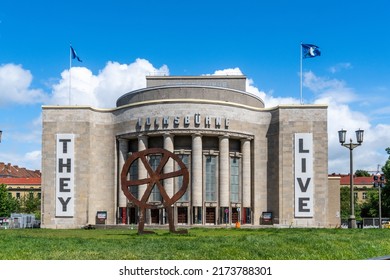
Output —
(198, 244)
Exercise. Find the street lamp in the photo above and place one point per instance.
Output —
(351, 146)
(379, 181)
(1, 133)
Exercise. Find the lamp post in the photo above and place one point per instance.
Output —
(1, 133)
(351, 146)
(379, 181)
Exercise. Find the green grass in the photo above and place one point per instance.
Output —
(198, 244)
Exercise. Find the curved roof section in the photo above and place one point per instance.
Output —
(190, 90)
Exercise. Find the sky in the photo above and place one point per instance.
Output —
(121, 41)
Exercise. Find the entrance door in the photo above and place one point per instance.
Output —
(210, 215)
(182, 215)
(234, 215)
(132, 215)
(155, 216)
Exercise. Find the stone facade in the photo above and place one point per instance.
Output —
(210, 121)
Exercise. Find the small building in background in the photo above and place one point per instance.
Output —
(20, 181)
(361, 185)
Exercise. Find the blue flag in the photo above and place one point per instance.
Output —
(309, 51)
(74, 54)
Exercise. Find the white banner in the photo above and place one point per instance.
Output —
(65, 175)
(304, 175)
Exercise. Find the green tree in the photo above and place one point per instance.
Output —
(386, 190)
(362, 173)
(344, 203)
(8, 204)
(30, 203)
(345, 206)
(370, 208)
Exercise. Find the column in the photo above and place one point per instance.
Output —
(224, 163)
(169, 167)
(122, 156)
(197, 174)
(142, 174)
(246, 172)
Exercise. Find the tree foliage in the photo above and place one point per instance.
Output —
(370, 208)
(8, 204)
(29, 203)
(345, 206)
(362, 173)
(386, 190)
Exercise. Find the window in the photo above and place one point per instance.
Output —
(364, 195)
(211, 178)
(133, 175)
(154, 161)
(197, 217)
(234, 179)
(179, 180)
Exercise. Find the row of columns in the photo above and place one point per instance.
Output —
(196, 169)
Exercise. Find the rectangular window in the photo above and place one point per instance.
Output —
(133, 175)
(154, 161)
(234, 179)
(224, 215)
(197, 215)
(211, 178)
(179, 180)
(247, 216)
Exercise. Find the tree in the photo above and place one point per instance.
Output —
(30, 204)
(362, 173)
(8, 204)
(385, 196)
(345, 205)
(370, 208)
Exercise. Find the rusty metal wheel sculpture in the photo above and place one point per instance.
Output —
(154, 178)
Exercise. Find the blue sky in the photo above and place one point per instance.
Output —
(122, 41)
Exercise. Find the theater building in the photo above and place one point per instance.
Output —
(243, 159)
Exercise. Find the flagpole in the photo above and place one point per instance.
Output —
(301, 75)
(70, 75)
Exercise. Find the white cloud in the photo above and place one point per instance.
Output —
(30, 160)
(15, 85)
(102, 90)
(328, 88)
(228, 71)
(339, 67)
(268, 99)
(33, 156)
(342, 115)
